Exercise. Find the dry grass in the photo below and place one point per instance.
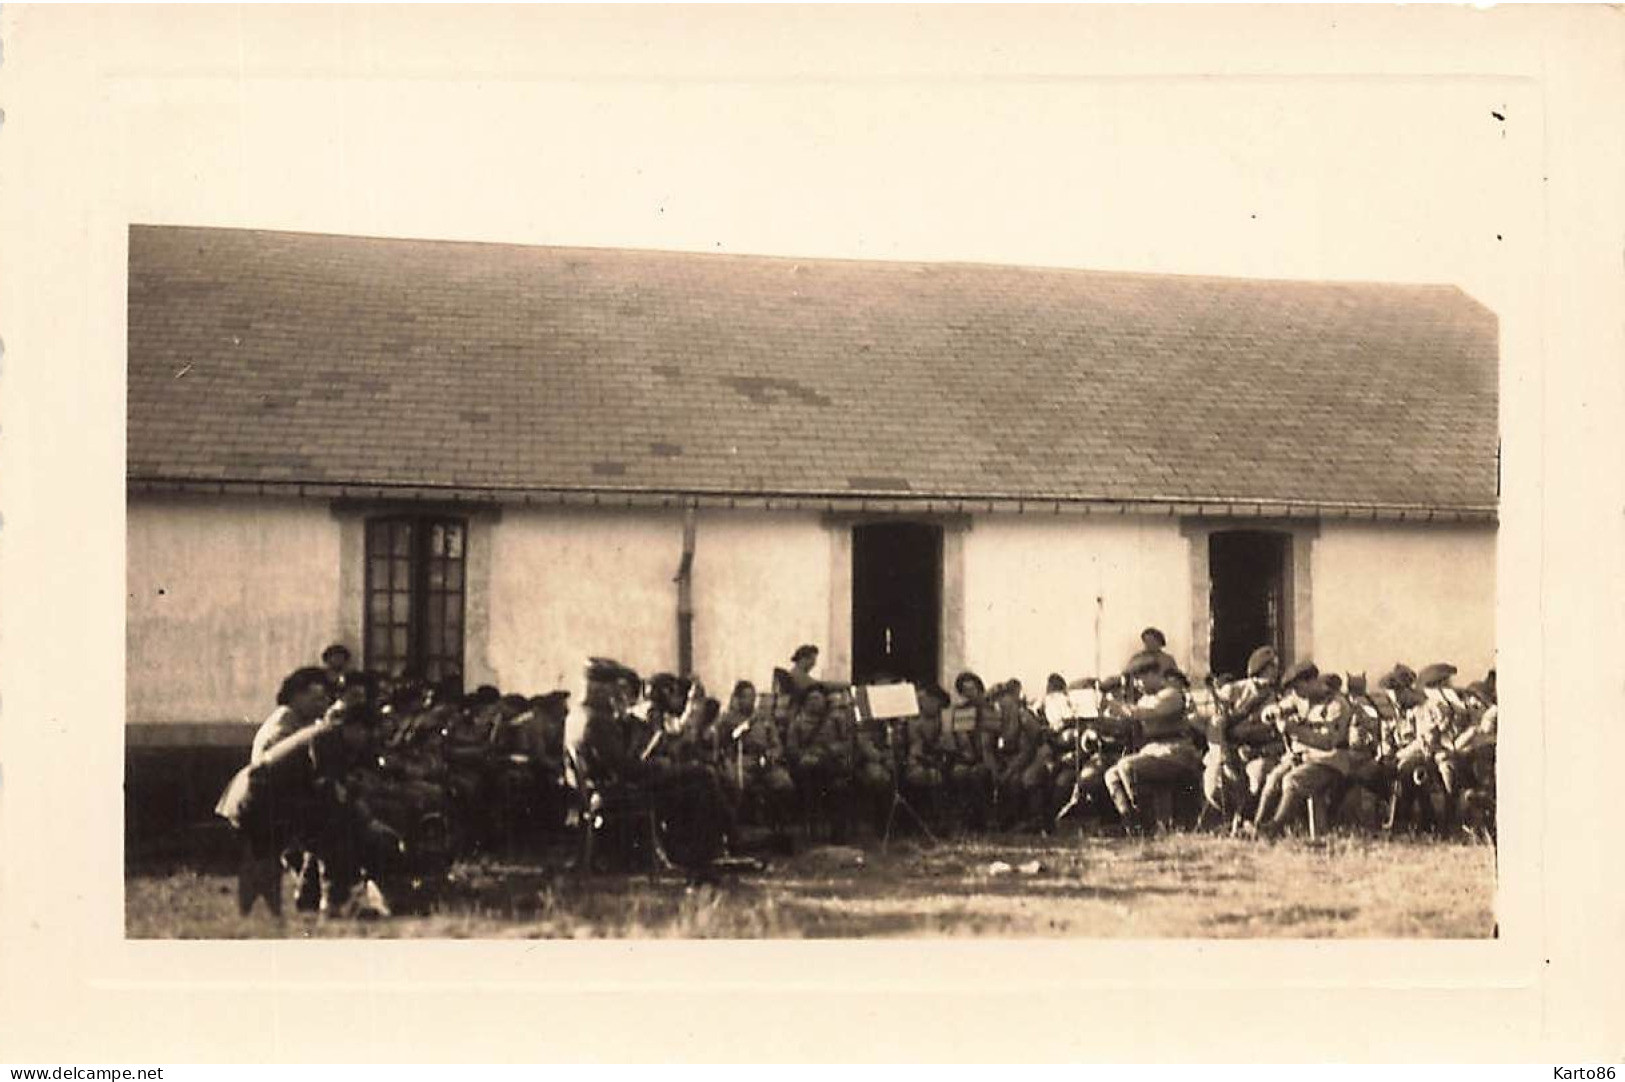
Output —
(1180, 885)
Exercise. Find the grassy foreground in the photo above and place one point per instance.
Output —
(1183, 885)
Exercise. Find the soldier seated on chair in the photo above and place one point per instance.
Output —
(970, 759)
(1243, 749)
(1475, 750)
(925, 770)
(874, 761)
(1023, 762)
(819, 754)
(1317, 747)
(753, 759)
(1167, 754)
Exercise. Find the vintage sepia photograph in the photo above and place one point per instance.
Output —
(702, 531)
(809, 533)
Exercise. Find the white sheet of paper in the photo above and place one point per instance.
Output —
(892, 700)
(1085, 702)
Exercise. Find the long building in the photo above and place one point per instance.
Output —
(502, 458)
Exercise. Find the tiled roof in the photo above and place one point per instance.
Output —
(280, 358)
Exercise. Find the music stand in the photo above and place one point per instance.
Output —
(886, 704)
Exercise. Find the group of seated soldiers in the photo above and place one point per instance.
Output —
(352, 780)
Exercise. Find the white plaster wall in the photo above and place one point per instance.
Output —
(569, 583)
(1417, 593)
(761, 588)
(1031, 585)
(225, 598)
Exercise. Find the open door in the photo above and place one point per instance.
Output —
(1248, 597)
(896, 602)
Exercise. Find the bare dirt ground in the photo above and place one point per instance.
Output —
(1181, 885)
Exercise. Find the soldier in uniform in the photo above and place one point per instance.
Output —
(1317, 747)
(1416, 738)
(605, 754)
(1474, 747)
(925, 774)
(1023, 762)
(1242, 749)
(799, 678)
(529, 746)
(1167, 753)
(753, 756)
(1441, 720)
(970, 761)
(819, 753)
(336, 660)
(660, 726)
(873, 766)
(1368, 770)
(1155, 644)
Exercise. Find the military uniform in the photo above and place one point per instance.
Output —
(1024, 764)
(753, 757)
(1318, 751)
(970, 761)
(873, 763)
(1166, 755)
(1420, 737)
(1475, 750)
(1367, 768)
(819, 753)
(1242, 748)
(925, 772)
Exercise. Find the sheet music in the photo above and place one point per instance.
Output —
(891, 701)
(1085, 703)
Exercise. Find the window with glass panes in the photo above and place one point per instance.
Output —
(415, 594)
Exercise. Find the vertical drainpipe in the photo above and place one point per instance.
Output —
(685, 597)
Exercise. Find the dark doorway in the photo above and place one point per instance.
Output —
(1247, 570)
(896, 602)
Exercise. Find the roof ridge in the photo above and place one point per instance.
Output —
(757, 257)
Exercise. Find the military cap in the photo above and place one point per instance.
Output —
(1303, 670)
(1260, 659)
(967, 675)
(1436, 674)
(934, 690)
(1143, 662)
(1334, 681)
(1162, 640)
(806, 649)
